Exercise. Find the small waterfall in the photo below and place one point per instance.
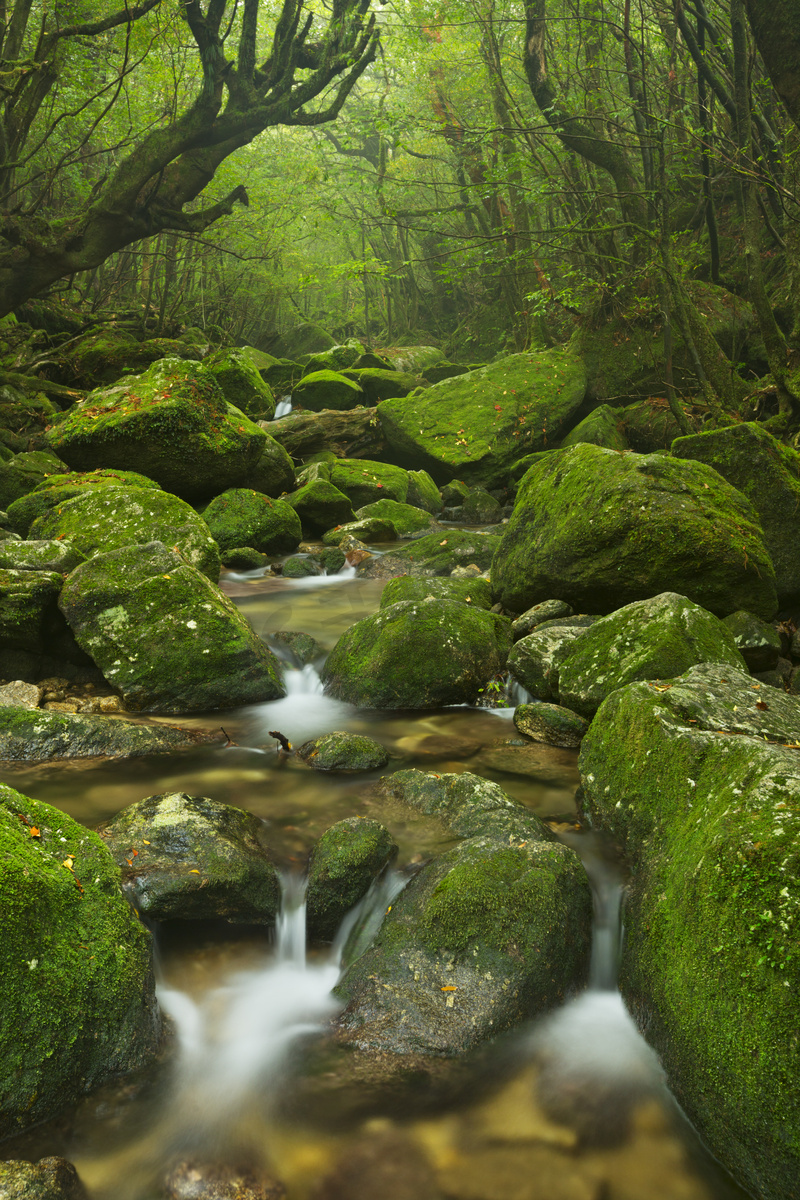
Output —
(283, 408)
(518, 694)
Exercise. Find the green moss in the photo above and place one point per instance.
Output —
(22, 473)
(476, 592)
(77, 1003)
(240, 383)
(378, 384)
(406, 519)
(441, 553)
(241, 517)
(602, 428)
(321, 506)
(364, 482)
(344, 863)
(29, 616)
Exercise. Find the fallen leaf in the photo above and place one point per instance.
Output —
(34, 832)
(449, 988)
(760, 704)
(194, 871)
(68, 862)
(444, 543)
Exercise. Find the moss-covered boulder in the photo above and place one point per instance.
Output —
(43, 555)
(534, 659)
(602, 427)
(327, 389)
(551, 723)
(172, 423)
(38, 735)
(307, 338)
(240, 383)
(477, 592)
(344, 863)
(301, 567)
(29, 616)
(487, 935)
(364, 481)
(305, 434)
(476, 426)
(366, 529)
(241, 517)
(423, 492)
(195, 859)
(338, 358)
(48, 1179)
(343, 752)
(164, 636)
(58, 488)
(407, 520)
(457, 649)
(758, 643)
(480, 508)
(413, 359)
(768, 473)
(649, 639)
(105, 518)
(546, 610)
(273, 473)
(77, 1005)
(104, 355)
(321, 506)
(23, 472)
(441, 553)
(599, 529)
(648, 426)
(699, 784)
(378, 384)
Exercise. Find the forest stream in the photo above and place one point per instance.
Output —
(583, 1114)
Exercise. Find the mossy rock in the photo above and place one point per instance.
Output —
(172, 423)
(377, 384)
(364, 481)
(105, 518)
(38, 735)
(599, 529)
(301, 568)
(29, 616)
(242, 517)
(480, 508)
(551, 723)
(57, 488)
(26, 414)
(648, 426)
(42, 555)
(457, 649)
(196, 859)
(343, 752)
(476, 592)
(327, 390)
(768, 474)
(22, 473)
(78, 1004)
(444, 370)
(301, 647)
(307, 338)
(273, 473)
(602, 427)
(758, 643)
(338, 358)
(105, 355)
(547, 610)
(534, 660)
(343, 865)
(320, 506)
(423, 492)
(414, 359)
(50, 1178)
(243, 558)
(241, 383)
(691, 783)
(370, 359)
(650, 639)
(282, 375)
(476, 426)
(164, 636)
(366, 529)
(307, 435)
(407, 520)
(441, 553)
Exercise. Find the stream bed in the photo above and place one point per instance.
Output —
(581, 1113)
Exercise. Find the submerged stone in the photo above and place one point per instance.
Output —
(31, 734)
(164, 636)
(343, 752)
(195, 859)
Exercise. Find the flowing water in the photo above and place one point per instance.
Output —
(583, 1114)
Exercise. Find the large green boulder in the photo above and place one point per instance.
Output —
(240, 383)
(378, 385)
(493, 932)
(648, 426)
(77, 1005)
(344, 863)
(307, 338)
(407, 520)
(476, 426)
(602, 427)
(440, 553)
(423, 492)
(649, 639)
(39, 735)
(196, 859)
(164, 636)
(273, 474)
(768, 474)
(172, 423)
(477, 592)
(600, 529)
(700, 786)
(29, 616)
(241, 517)
(62, 557)
(534, 659)
(456, 650)
(364, 481)
(413, 359)
(105, 518)
(23, 472)
(104, 355)
(327, 389)
(321, 506)
(338, 358)
(58, 488)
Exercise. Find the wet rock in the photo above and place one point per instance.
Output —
(344, 863)
(106, 518)
(59, 730)
(364, 481)
(19, 694)
(389, 1164)
(650, 639)
(195, 859)
(547, 610)
(62, 556)
(378, 384)
(599, 529)
(243, 558)
(240, 383)
(423, 492)
(456, 650)
(338, 358)
(78, 1003)
(272, 474)
(243, 517)
(550, 723)
(301, 567)
(480, 508)
(476, 592)
(303, 647)
(193, 1180)
(533, 661)
(321, 506)
(172, 423)
(164, 636)
(47, 1179)
(328, 390)
(21, 474)
(332, 559)
(603, 427)
(29, 616)
(303, 434)
(440, 555)
(709, 820)
(367, 529)
(343, 752)
(55, 489)
(408, 520)
(758, 643)
(455, 493)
